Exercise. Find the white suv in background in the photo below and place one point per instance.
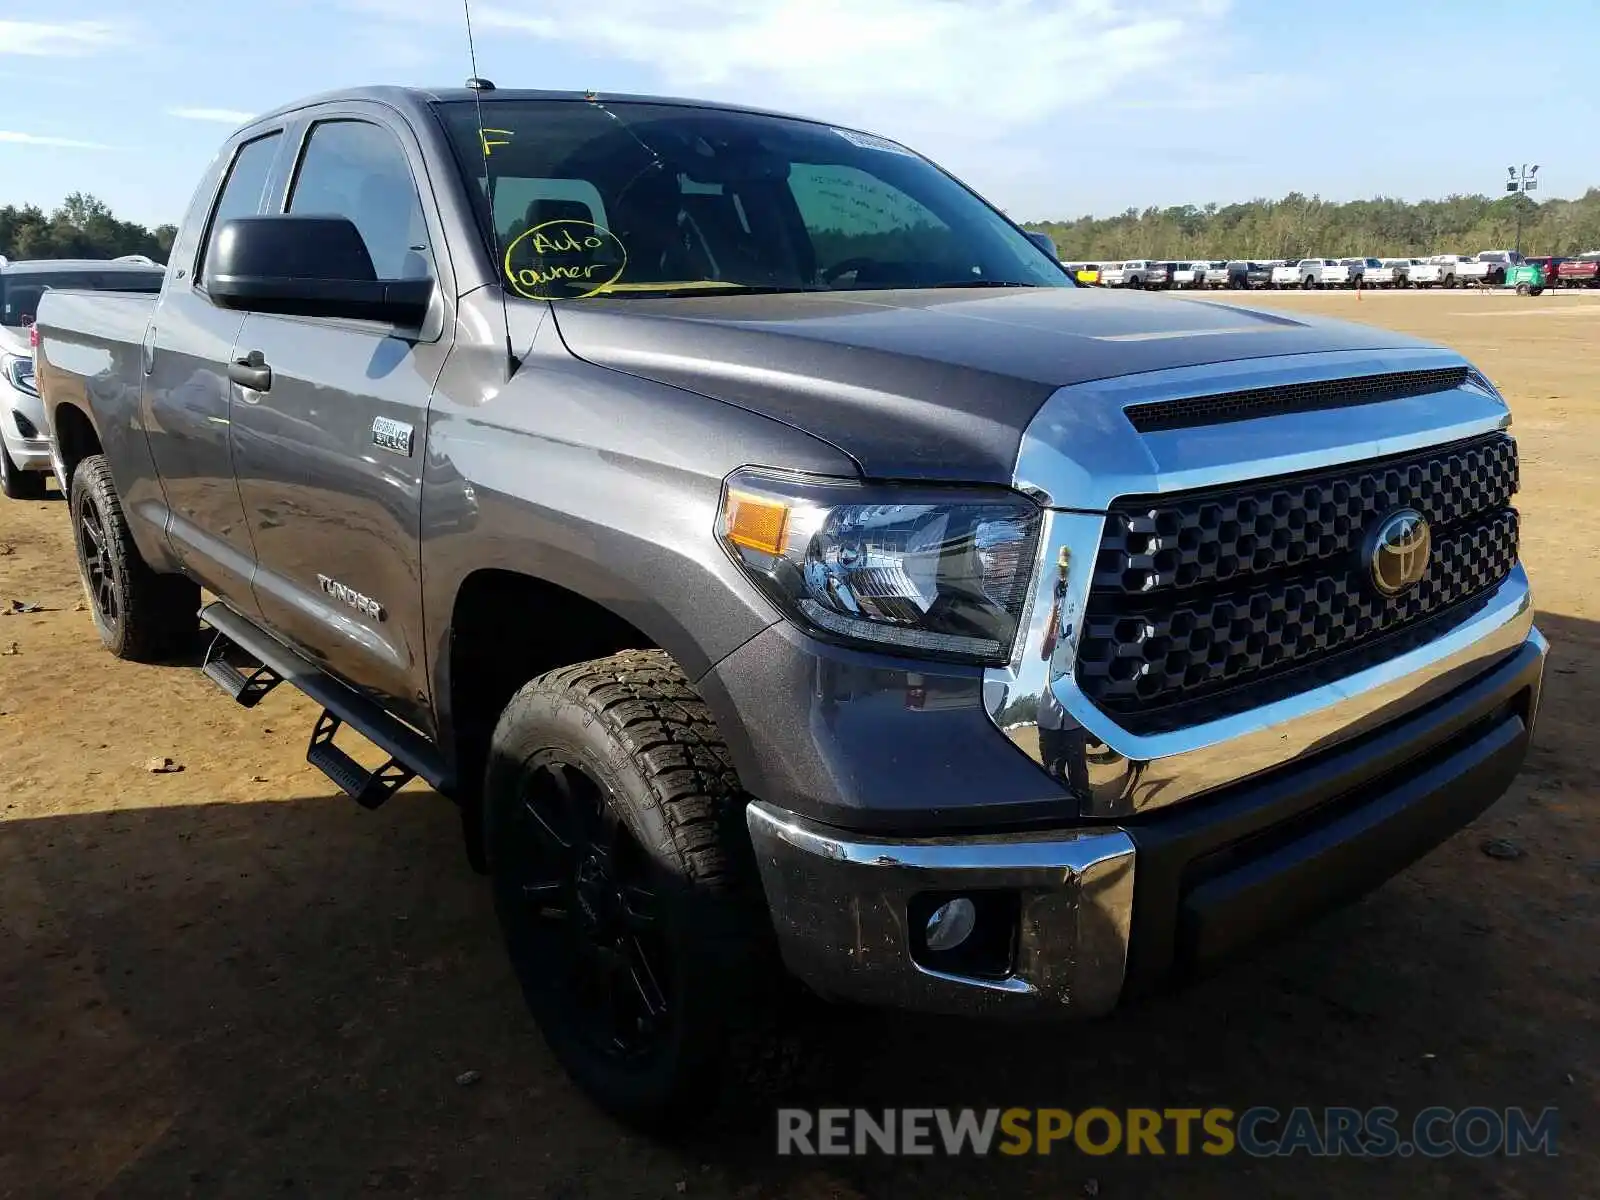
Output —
(24, 437)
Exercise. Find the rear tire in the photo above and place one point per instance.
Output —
(17, 484)
(626, 886)
(140, 615)
(1524, 290)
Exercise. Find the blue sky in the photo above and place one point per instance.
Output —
(1050, 107)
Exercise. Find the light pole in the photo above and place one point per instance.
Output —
(1521, 185)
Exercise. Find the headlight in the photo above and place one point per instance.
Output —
(934, 572)
(19, 373)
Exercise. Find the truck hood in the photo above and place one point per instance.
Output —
(933, 384)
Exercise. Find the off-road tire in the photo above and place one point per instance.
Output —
(1524, 289)
(155, 617)
(633, 724)
(17, 484)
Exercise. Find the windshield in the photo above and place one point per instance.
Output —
(20, 290)
(637, 199)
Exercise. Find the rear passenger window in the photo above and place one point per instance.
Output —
(247, 180)
(358, 170)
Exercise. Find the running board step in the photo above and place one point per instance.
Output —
(248, 690)
(367, 788)
(411, 755)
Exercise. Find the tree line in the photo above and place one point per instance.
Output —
(1300, 226)
(1294, 227)
(82, 227)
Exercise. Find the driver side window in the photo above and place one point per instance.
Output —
(358, 170)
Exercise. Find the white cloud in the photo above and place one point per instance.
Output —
(222, 116)
(15, 138)
(59, 39)
(995, 65)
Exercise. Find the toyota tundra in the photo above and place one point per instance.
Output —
(789, 572)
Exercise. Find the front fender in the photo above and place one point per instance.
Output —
(601, 483)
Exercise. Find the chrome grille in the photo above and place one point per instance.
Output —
(1206, 596)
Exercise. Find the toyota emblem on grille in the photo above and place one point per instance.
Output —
(1398, 550)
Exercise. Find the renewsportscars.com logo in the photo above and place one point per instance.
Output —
(1261, 1132)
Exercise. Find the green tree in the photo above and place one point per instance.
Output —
(1298, 225)
(83, 227)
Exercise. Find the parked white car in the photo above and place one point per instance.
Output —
(24, 434)
(1494, 264)
(1217, 274)
(1312, 273)
(1189, 274)
(1391, 273)
(1136, 272)
(1286, 275)
(1442, 270)
(1385, 275)
(1358, 268)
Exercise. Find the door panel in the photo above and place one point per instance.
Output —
(329, 457)
(187, 395)
(326, 501)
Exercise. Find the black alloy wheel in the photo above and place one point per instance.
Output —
(98, 577)
(589, 910)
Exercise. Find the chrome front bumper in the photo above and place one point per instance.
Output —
(1215, 877)
(840, 902)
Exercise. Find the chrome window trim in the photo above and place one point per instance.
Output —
(1115, 772)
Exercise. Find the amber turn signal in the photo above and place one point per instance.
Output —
(755, 522)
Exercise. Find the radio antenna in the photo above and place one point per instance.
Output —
(479, 86)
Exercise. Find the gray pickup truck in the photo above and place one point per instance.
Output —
(787, 570)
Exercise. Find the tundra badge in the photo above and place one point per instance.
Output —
(392, 435)
(365, 605)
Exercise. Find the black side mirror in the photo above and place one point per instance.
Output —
(1042, 240)
(307, 266)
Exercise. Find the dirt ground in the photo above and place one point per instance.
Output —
(228, 981)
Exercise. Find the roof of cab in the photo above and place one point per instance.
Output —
(413, 100)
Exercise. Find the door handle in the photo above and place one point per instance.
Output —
(251, 372)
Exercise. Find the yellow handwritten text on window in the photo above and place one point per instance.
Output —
(566, 259)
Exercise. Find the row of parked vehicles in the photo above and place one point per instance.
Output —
(1490, 268)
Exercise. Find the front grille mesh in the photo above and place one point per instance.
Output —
(1201, 598)
(1190, 411)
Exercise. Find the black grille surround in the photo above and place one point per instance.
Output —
(1191, 411)
(1204, 603)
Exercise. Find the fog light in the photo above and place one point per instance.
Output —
(951, 924)
(25, 427)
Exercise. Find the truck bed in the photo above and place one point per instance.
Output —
(91, 347)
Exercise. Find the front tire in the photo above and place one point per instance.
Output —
(17, 484)
(626, 887)
(139, 614)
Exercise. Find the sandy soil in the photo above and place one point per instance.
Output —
(226, 981)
